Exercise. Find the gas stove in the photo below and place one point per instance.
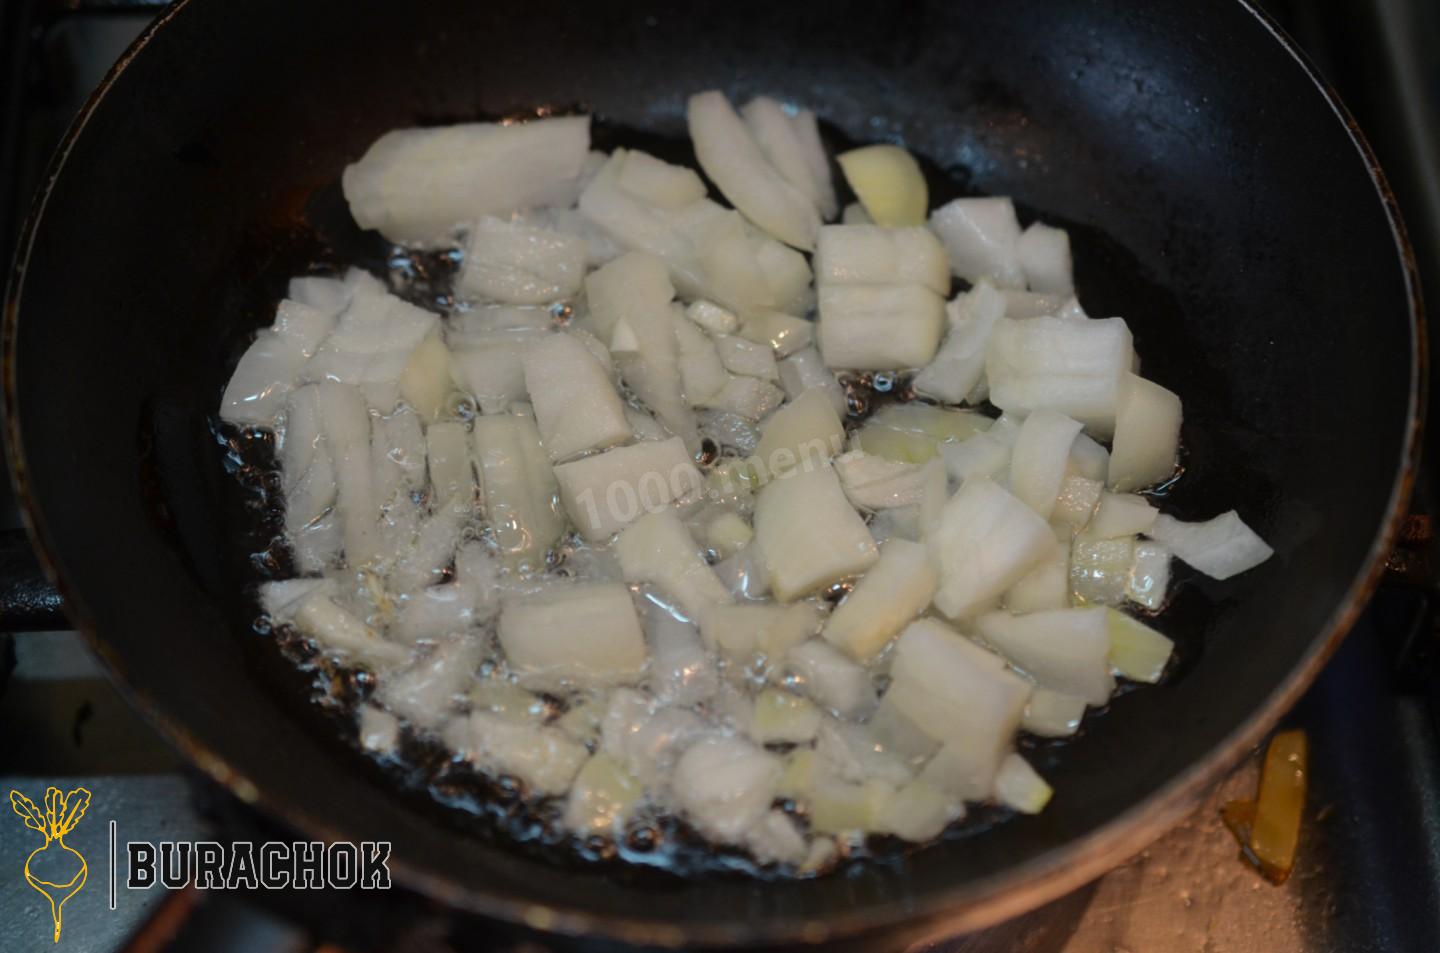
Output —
(1368, 875)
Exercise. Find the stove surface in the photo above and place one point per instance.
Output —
(1368, 878)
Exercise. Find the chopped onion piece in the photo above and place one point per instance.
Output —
(894, 731)
(1074, 367)
(603, 797)
(607, 491)
(735, 163)
(831, 678)
(1150, 576)
(895, 590)
(1018, 787)
(961, 695)
(519, 487)
(632, 286)
(1121, 514)
(730, 266)
(425, 382)
(808, 534)
(843, 807)
(986, 541)
(958, 368)
(1052, 714)
(740, 631)
(888, 182)
(1220, 548)
(436, 612)
(805, 433)
(491, 368)
(326, 294)
(588, 633)
(1047, 586)
(1039, 457)
(781, 717)
(807, 128)
(775, 839)
(658, 549)
(631, 282)
(1136, 650)
(436, 537)
(544, 758)
(270, 366)
(1147, 434)
(427, 691)
(576, 406)
(727, 534)
(870, 254)
(659, 183)
(1062, 649)
(805, 370)
(725, 785)
(1089, 459)
(1045, 257)
(447, 457)
(712, 317)
(981, 238)
(855, 214)
(517, 264)
(370, 347)
(747, 397)
(1075, 505)
(417, 185)
(702, 372)
(345, 423)
(748, 358)
(681, 672)
(983, 455)
(1030, 304)
(645, 740)
(918, 812)
(668, 234)
(879, 327)
(912, 433)
(872, 482)
(1100, 568)
(318, 616)
(779, 136)
(784, 332)
(379, 731)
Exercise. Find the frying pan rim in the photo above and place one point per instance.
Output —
(1000, 896)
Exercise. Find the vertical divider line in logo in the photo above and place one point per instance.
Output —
(112, 865)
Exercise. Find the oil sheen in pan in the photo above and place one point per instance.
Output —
(327, 696)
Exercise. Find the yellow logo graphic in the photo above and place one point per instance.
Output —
(55, 870)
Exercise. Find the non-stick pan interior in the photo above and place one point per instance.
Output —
(1217, 201)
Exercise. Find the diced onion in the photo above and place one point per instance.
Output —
(1220, 548)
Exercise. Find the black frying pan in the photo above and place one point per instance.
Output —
(1219, 199)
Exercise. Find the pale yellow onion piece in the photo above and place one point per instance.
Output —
(888, 182)
(727, 534)
(809, 535)
(1017, 786)
(1136, 650)
(894, 591)
(783, 717)
(602, 797)
(425, 382)
(1147, 434)
(805, 432)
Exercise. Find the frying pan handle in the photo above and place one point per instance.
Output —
(29, 602)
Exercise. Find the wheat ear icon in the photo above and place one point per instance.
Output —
(54, 869)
